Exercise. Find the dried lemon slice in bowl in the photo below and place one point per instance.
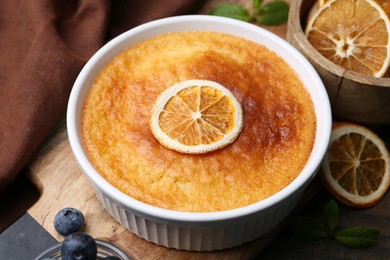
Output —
(196, 116)
(354, 34)
(356, 168)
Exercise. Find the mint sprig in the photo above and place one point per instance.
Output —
(357, 237)
(307, 228)
(311, 229)
(273, 13)
(235, 11)
(332, 216)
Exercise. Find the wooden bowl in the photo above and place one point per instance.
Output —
(353, 96)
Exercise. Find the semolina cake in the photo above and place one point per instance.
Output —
(275, 142)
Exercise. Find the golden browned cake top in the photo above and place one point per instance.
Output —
(274, 145)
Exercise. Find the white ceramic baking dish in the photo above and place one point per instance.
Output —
(199, 231)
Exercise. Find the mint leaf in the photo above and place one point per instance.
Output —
(332, 215)
(256, 4)
(357, 237)
(235, 11)
(310, 229)
(273, 13)
(307, 228)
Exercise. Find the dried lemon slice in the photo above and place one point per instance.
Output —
(356, 168)
(196, 116)
(354, 34)
(385, 4)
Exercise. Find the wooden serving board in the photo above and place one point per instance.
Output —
(61, 183)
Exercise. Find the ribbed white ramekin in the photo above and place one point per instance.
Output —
(199, 231)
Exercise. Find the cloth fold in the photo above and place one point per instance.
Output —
(43, 46)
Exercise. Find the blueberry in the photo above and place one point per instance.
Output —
(79, 246)
(68, 220)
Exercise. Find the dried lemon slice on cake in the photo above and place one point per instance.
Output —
(196, 116)
(354, 34)
(356, 168)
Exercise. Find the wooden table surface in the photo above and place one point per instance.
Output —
(61, 183)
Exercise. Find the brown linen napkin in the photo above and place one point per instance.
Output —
(43, 46)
